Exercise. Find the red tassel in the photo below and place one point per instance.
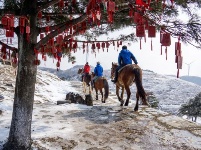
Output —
(177, 73)
(161, 50)
(140, 44)
(166, 52)
(151, 45)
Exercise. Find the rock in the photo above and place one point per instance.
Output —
(89, 100)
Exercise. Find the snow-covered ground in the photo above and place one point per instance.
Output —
(51, 121)
(171, 92)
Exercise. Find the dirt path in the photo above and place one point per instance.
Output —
(111, 127)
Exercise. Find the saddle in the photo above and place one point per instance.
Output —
(123, 68)
(98, 78)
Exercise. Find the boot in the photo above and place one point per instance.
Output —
(92, 84)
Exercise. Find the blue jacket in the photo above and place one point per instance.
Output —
(98, 70)
(126, 57)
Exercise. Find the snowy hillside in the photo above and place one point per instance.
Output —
(171, 92)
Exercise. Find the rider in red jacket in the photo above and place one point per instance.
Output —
(86, 70)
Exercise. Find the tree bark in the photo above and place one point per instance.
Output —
(20, 130)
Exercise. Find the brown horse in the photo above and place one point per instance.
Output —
(127, 76)
(99, 84)
(85, 81)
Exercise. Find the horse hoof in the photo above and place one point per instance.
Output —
(135, 109)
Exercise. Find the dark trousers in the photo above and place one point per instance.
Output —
(116, 72)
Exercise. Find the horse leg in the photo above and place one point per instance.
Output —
(122, 93)
(128, 95)
(84, 85)
(96, 94)
(103, 101)
(89, 89)
(119, 98)
(137, 102)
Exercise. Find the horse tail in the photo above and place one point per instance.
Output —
(106, 88)
(138, 82)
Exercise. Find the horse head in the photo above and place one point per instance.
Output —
(92, 74)
(113, 68)
(80, 70)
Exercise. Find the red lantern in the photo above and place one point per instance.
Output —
(59, 39)
(37, 62)
(61, 3)
(47, 29)
(179, 63)
(22, 21)
(151, 31)
(4, 20)
(177, 48)
(93, 46)
(140, 30)
(137, 18)
(41, 35)
(27, 29)
(39, 15)
(165, 39)
(111, 6)
(98, 45)
(103, 45)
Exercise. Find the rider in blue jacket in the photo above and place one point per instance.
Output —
(125, 58)
(98, 71)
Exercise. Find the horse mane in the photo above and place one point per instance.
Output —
(114, 63)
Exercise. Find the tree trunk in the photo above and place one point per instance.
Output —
(20, 130)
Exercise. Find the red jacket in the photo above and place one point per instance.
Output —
(86, 69)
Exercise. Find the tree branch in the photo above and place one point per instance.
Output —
(60, 30)
(46, 5)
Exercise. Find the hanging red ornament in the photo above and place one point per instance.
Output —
(165, 39)
(39, 15)
(93, 46)
(41, 35)
(47, 18)
(107, 45)
(98, 45)
(4, 20)
(47, 29)
(140, 30)
(61, 4)
(103, 46)
(137, 18)
(27, 29)
(151, 33)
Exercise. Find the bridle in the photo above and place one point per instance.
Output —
(113, 71)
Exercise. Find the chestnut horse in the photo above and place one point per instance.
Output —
(128, 75)
(85, 81)
(99, 84)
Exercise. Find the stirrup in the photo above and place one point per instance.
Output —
(114, 81)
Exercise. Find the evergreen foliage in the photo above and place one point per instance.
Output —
(192, 108)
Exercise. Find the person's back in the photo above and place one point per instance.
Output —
(125, 57)
(98, 70)
(86, 68)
